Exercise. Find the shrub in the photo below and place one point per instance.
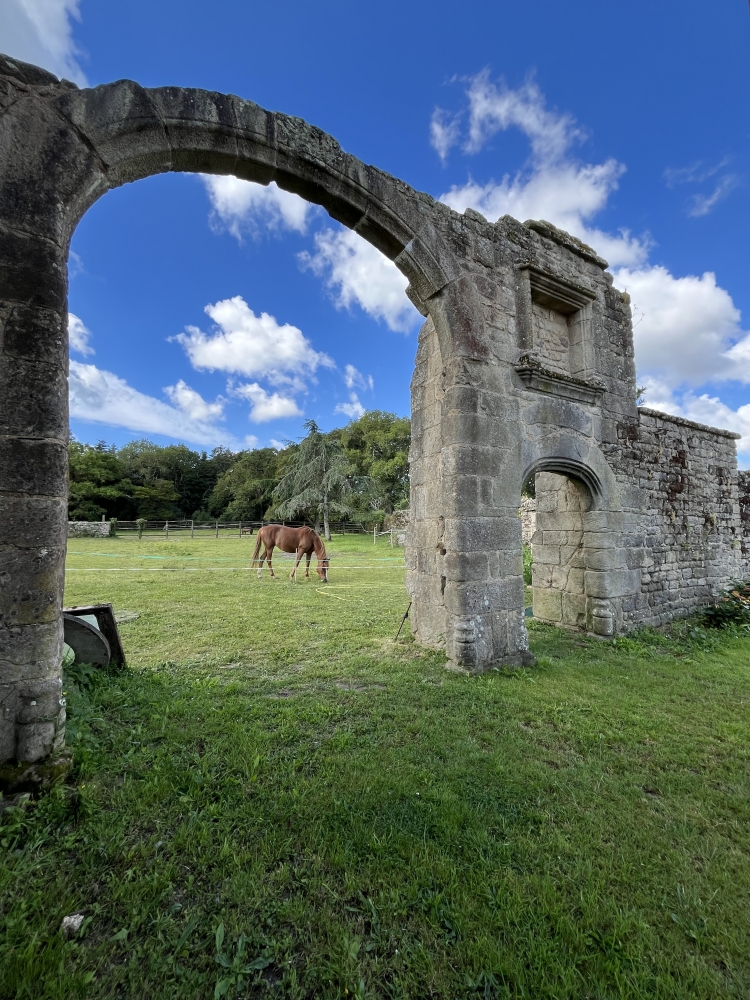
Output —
(527, 561)
(731, 609)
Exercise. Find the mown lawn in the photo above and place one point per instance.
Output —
(276, 799)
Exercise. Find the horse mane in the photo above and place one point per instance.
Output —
(320, 549)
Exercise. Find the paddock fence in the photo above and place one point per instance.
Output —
(221, 529)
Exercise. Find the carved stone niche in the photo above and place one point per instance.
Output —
(556, 336)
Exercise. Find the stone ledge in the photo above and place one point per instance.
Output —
(564, 239)
(534, 376)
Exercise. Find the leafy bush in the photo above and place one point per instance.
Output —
(731, 609)
(527, 562)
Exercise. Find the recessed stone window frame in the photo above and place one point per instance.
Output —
(575, 304)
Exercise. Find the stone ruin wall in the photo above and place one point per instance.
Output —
(643, 519)
(689, 537)
(524, 367)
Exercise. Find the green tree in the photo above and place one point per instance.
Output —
(377, 445)
(193, 474)
(98, 483)
(157, 500)
(318, 478)
(245, 491)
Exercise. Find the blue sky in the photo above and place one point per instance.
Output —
(217, 312)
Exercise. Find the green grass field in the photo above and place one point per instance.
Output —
(276, 799)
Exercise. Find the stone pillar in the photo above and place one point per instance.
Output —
(33, 505)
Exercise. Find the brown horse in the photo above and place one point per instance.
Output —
(302, 541)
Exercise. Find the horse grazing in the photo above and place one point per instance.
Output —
(302, 541)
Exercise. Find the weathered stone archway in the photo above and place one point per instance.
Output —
(526, 355)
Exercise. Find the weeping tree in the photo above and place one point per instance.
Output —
(317, 481)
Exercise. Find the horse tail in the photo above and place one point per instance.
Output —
(258, 542)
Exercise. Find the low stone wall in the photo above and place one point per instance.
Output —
(89, 529)
(687, 537)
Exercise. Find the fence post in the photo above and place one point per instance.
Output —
(240, 529)
(192, 528)
(375, 535)
(166, 529)
(217, 529)
(391, 537)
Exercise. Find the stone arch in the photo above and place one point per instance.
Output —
(580, 572)
(132, 132)
(61, 149)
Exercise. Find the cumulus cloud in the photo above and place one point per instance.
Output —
(246, 344)
(41, 32)
(103, 397)
(266, 406)
(193, 404)
(78, 335)
(356, 273)
(242, 207)
(355, 379)
(553, 186)
(689, 330)
(353, 408)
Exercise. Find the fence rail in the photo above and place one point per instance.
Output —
(234, 527)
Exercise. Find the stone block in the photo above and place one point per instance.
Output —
(606, 559)
(546, 554)
(547, 605)
(464, 566)
(612, 583)
(574, 610)
(482, 533)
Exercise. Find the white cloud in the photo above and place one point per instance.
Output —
(278, 445)
(78, 335)
(702, 204)
(40, 32)
(554, 186)
(251, 441)
(356, 273)
(105, 398)
(445, 131)
(252, 345)
(494, 108)
(697, 173)
(266, 406)
(689, 332)
(244, 207)
(193, 404)
(353, 408)
(355, 379)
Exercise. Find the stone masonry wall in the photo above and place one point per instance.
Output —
(687, 536)
(743, 495)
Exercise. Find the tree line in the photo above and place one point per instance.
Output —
(359, 473)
